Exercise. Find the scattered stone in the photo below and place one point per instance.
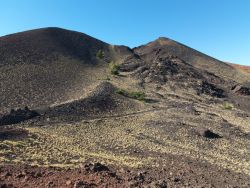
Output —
(207, 133)
(176, 179)
(241, 90)
(133, 184)
(20, 175)
(37, 174)
(122, 170)
(68, 182)
(17, 116)
(50, 184)
(161, 184)
(140, 177)
(210, 89)
(26, 178)
(112, 174)
(98, 167)
(81, 184)
(6, 174)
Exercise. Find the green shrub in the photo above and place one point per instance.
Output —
(122, 92)
(100, 54)
(227, 106)
(114, 68)
(138, 95)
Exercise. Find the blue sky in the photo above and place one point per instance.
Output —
(219, 28)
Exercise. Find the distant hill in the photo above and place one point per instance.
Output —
(243, 68)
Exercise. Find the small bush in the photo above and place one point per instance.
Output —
(122, 92)
(100, 54)
(114, 68)
(138, 95)
(227, 106)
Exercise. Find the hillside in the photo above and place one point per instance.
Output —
(46, 66)
(243, 68)
(191, 56)
(76, 111)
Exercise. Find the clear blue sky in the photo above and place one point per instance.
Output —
(220, 28)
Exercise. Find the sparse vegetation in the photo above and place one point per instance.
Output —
(125, 112)
(100, 54)
(227, 106)
(139, 95)
(114, 68)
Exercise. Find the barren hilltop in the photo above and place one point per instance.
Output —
(78, 112)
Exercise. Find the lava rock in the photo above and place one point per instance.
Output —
(241, 90)
(161, 184)
(210, 89)
(50, 184)
(207, 133)
(17, 116)
(98, 167)
(81, 184)
(68, 182)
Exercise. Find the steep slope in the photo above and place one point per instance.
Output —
(242, 68)
(170, 47)
(50, 65)
(166, 63)
(48, 44)
(102, 101)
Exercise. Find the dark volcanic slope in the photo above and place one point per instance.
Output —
(44, 66)
(48, 44)
(169, 47)
(52, 65)
(102, 101)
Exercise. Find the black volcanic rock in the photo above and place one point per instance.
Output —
(207, 133)
(167, 47)
(17, 116)
(210, 89)
(241, 90)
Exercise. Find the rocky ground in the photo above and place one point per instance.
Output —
(176, 174)
(159, 115)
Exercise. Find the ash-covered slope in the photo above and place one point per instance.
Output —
(48, 66)
(169, 64)
(47, 45)
(45, 66)
(103, 101)
(165, 46)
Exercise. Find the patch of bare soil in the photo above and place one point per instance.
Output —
(180, 172)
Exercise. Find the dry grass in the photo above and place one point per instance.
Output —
(135, 143)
